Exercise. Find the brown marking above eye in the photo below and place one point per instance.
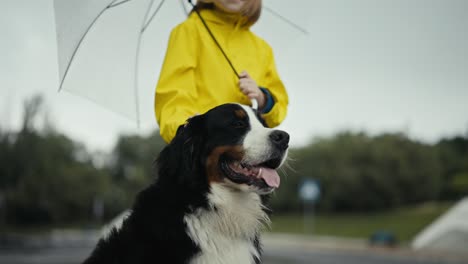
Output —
(213, 172)
(240, 113)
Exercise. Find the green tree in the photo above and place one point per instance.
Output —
(132, 167)
(453, 155)
(46, 177)
(358, 172)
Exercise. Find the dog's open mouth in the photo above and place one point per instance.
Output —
(263, 175)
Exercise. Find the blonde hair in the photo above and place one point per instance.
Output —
(251, 10)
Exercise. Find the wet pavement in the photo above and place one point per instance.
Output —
(72, 247)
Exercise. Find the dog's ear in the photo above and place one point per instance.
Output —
(192, 135)
(182, 157)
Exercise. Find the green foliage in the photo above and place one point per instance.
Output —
(131, 168)
(44, 181)
(459, 183)
(453, 154)
(47, 178)
(358, 172)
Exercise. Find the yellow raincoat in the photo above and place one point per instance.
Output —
(195, 76)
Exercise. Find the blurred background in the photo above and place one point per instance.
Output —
(378, 118)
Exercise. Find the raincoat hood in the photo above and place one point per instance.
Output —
(219, 17)
(195, 76)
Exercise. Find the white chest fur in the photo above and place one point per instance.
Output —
(226, 234)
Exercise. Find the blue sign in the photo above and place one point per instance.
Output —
(309, 190)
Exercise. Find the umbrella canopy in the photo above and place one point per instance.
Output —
(110, 51)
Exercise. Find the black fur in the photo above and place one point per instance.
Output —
(155, 231)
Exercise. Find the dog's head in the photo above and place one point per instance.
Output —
(229, 145)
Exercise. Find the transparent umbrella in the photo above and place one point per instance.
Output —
(110, 51)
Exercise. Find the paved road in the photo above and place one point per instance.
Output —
(338, 257)
(278, 250)
(45, 256)
(76, 255)
(297, 249)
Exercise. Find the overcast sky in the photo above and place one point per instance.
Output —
(365, 65)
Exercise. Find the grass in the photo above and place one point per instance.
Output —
(404, 223)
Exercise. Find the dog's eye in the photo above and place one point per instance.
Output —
(239, 124)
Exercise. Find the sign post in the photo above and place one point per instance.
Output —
(309, 192)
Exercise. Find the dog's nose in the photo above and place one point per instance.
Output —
(280, 139)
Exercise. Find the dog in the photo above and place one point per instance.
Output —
(207, 204)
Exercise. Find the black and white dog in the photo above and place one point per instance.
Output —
(207, 203)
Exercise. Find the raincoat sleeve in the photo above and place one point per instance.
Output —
(277, 90)
(176, 91)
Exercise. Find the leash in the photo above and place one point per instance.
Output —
(253, 100)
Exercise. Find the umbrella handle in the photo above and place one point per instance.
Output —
(254, 104)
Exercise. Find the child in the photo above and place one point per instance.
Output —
(196, 76)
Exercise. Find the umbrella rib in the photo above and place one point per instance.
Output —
(153, 15)
(184, 7)
(137, 58)
(119, 3)
(136, 93)
(79, 44)
(294, 25)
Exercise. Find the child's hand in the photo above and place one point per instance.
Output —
(249, 87)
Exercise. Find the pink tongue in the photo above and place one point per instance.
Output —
(270, 176)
